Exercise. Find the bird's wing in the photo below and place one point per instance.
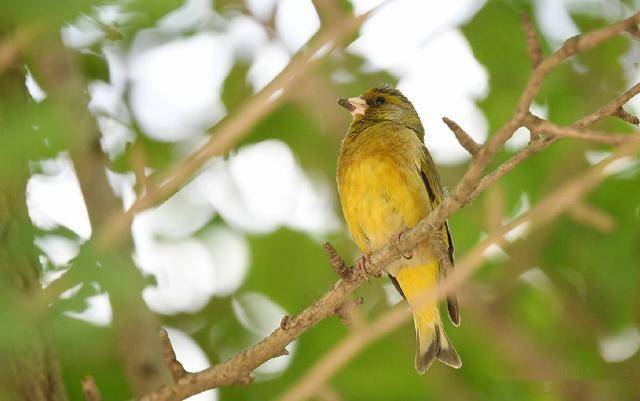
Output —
(431, 179)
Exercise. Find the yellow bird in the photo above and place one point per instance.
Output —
(387, 183)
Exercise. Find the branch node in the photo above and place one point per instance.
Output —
(465, 140)
(287, 322)
(282, 352)
(624, 115)
(533, 43)
(90, 389)
(169, 356)
(337, 263)
(244, 380)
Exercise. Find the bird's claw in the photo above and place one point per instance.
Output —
(362, 268)
(395, 242)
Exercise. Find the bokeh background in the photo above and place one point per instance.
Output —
(90, 89)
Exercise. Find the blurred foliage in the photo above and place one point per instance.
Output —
(509, 324)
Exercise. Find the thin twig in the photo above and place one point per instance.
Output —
(169, 355)
(543, 126)
(465, 140)
(533, 42)
(90, 389)
(624, 115)
(592, 216)
(335, 260)
(539, 145)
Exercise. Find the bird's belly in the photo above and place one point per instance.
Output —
(379, 200)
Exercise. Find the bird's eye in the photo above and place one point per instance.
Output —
(379, 100)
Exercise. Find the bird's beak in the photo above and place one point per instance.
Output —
(355, 105)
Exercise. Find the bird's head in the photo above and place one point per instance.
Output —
(381, 103)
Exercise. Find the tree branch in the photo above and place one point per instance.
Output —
(624, 115)
(169, 355)
(465, 140)
(533, 43)
(225, 135)
(241, 364)
(590, 215)
(337, 263)
(539, 145)
(237, 125)
(538, 124)
(544, 211)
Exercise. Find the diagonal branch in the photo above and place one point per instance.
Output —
(544, 211)
(240, 365)
(539, 145)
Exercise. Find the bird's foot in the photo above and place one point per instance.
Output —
(395, 243)
(362, 269)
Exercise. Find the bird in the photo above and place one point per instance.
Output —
(388, 182)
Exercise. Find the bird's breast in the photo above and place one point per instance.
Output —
(381, 194)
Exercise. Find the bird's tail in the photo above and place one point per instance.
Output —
(431, 340)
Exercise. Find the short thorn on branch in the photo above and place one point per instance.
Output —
(345, 310)
(90, 389)
(624, 115)
(169, 356)
(282, 352)
(465, 140)
(533, 43)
